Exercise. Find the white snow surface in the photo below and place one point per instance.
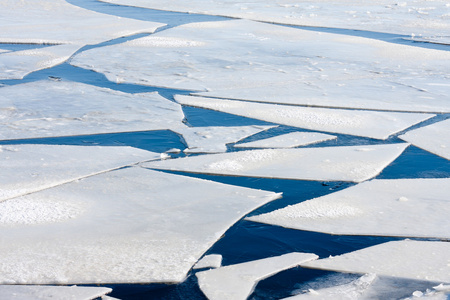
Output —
(58, 22)
(348, 163)
(236, 282)
(22, 292)
(434, 138)
(58, 108)
(213, 139)
(139, 226)
(418, 260)
(288, 140)
(390, 16)
(399, 207)
(378, 125)
(28, 168)
(213, 261)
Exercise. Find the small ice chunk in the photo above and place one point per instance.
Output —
(213, 261)
(238, 281)
(38, 292)
(342, 163)
(288, 140)
(417, 260)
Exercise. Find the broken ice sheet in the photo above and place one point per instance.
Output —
(9, 292)
(378, 125)
(288, 140)
(417, 260)
(137, 226)
(348, 163)
(210, 261)
(411, 17)
(434, 138)
(238, 281)
(29, 168)
(213, 139)
(48, 108)
(28, 22)
(401, 207)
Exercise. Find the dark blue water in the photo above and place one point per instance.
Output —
(245, 241)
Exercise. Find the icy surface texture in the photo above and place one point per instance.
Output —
(50, 108)
(238, 281)
(58, 22)
(411, 17)
(28, 168)
(138, 226)
(418, 260)
(214, 139)
(210, 261)
(352, 163)
(402, 207)
(288, 140)
(378, 125)
(434, 138)
(17, 292)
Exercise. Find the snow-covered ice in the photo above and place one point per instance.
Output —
(213, 139)
(28, 168)
(138, 226)
(24, 292)
(418, 260)
(352, 163)
(378, 125)
(400, 207)
(289, 140)
(50, 108)
(209, 261)
(428, 18)
(434, 138)
(238, 281)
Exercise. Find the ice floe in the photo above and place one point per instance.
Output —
(401, 207)
(409, 17)
(378, 125)
(418, 260)
(210, 261)
(28, 168)
(434, 138)
(213, 139)
(238, 281)
(289, 140)
(348, 163)
(48, 108)
(138, 226)
(23, 292)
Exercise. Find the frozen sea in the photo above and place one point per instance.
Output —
(158, 54)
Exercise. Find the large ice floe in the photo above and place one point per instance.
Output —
(289, 140)
(238, 281)
(27, 292)
(434, 138)
(429, 18)
(378, 125)
(28, 168)
(135, 226)
(401, 207)
(417, 260)
(352, 163)
(50, 108)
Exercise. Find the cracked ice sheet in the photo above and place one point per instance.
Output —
(256, 61)
(402, 207)
(289, 140)
(28, 168)
(135, 226)
(418, 260)
(434, 138)
(10, 292)
(17, 64)
(213, 139)
(238, 281)
(348, 163)
(58, 22)
(49, 109)
(378, 125)
(411, 17)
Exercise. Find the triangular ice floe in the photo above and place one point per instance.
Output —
(288, 140)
